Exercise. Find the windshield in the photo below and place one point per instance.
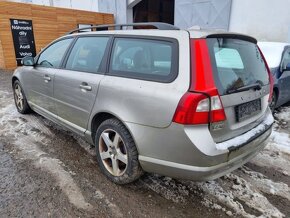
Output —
(236, 64)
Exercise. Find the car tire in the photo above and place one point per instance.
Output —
(273, 102)
(116, 151)
(20, 98)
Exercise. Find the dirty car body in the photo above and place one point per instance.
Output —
(194, 103)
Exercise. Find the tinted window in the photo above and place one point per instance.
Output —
(228, 58)
(53, 55)
(144, 59)
(286, 59)
(87, 54)
(236, 64)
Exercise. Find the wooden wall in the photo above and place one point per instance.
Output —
(48, 24)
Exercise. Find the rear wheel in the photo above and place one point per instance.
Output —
(20, 99)
(273, 101)
(117, 154)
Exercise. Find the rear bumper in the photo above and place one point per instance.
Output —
(236, 158)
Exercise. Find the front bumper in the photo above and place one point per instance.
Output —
(236, 158)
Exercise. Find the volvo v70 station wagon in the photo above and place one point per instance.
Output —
(185, 104)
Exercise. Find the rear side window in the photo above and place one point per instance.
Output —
(146, 59)
(52, 56)
(87, 54)
(236, 63)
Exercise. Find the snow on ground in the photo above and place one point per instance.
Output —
(242, 193)
(30, 130)
(277, 153)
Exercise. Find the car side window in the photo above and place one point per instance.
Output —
(286, 58)
(146, 59)
(87, 54)
(52, 56)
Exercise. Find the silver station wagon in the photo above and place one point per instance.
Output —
(187, 104)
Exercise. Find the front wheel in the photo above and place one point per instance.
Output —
(20, 99)
(117, 154)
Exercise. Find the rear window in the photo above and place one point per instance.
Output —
(145, 59)
(236, 63)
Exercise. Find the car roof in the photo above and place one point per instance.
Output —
(192, 33)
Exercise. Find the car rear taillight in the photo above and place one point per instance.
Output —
(271, 80)
(199, 108)
(202, 103)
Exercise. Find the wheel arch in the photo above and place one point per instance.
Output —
(14, 78)
(100, 117)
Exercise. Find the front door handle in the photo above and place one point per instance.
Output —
(46, 78)
(85, 87)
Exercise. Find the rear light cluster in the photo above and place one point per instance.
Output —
(271, 80)
(202, 103)
(199, 108)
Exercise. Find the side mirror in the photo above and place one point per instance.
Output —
(28, 61)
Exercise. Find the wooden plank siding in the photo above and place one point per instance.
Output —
(49, 23)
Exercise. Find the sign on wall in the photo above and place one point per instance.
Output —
(23, 39)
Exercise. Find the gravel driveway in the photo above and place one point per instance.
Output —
(47, 171)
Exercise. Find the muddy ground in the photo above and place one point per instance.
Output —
(47, 171)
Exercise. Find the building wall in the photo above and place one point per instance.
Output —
(87, 5)
(48, 24)
(267, 20)
(116, 7)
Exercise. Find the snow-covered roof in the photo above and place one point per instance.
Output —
(272, 52)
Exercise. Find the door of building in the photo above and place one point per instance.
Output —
(154, 11)
(207, 14)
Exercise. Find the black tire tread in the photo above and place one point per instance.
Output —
(26, 108)
(134, 170)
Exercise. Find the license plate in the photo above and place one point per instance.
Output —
(246, 110)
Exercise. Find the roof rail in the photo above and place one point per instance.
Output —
(157, 25)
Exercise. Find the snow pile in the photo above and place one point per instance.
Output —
(281, 140)
(239, 140)
(272, 159)
(283, 114)
(234, 192)
(266, 185)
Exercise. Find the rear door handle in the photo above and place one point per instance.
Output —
(46, 78)
(86, 87)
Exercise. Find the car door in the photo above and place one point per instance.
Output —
(284, 79)
(41, 77)
(76, 86)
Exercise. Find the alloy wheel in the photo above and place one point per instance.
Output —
(19, 99)
(113, 152)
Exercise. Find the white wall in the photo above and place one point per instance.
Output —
(116, 7)
(267, 20)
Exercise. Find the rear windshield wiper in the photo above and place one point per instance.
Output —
(255, 86)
